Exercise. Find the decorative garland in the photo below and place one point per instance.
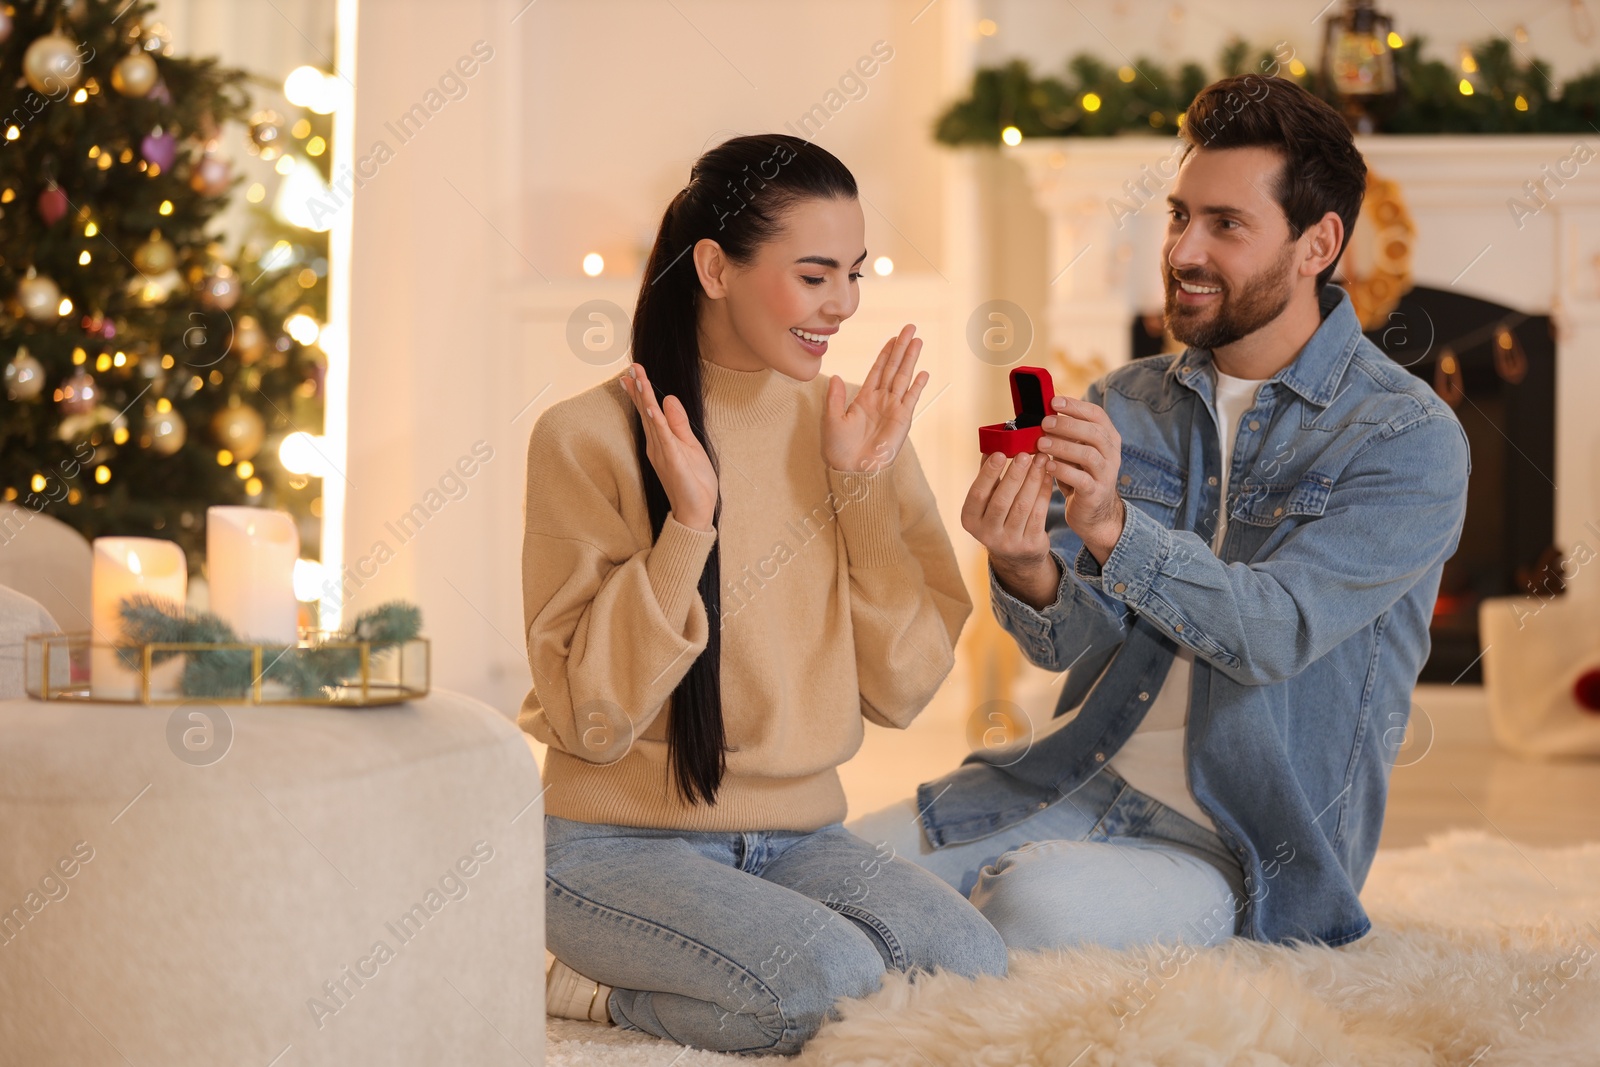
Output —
(227, 673)
(1097, 99)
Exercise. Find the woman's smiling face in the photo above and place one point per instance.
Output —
(804, 281)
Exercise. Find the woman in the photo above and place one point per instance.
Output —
(729, 561)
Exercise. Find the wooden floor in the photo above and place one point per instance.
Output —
(1449, 773)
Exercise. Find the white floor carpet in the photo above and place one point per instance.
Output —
(1483, 953)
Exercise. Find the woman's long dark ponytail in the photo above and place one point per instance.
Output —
(737, 195)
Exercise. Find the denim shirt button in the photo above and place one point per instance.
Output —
(1255, 424)
(1144, 696)
(1178, 628)
(1119, 587)
(1126, 479)
(1099, 757)
(1211, 480)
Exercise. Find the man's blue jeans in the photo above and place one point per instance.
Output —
(741, 942)
(1104, 865)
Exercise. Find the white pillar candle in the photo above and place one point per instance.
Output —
(250, 554)
(125, 567)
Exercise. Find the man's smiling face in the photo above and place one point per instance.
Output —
(1228, 260)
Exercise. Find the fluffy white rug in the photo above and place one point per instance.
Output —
(1483, 953)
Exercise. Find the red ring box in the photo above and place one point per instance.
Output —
(1031, 393)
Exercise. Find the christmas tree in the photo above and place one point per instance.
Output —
(149, 371)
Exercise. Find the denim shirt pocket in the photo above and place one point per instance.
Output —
(1268, 510)
(1153, 484)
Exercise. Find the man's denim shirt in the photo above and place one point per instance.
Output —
(1347, 493)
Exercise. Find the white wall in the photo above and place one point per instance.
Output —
(431, 275)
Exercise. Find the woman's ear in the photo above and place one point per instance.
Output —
(712, 267)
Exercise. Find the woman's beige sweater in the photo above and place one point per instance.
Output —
(841, 597)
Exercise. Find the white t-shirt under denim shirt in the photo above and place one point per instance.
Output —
(1152, 760)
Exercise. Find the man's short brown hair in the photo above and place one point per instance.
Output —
(1322, 170)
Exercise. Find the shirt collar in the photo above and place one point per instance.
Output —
(1315, 373)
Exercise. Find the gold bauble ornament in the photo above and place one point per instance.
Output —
(249, 339)
(24, 376)
(239, 428)
(155, 256)
(134, 75)
(40, 297)
(51, 64)
(164, 432)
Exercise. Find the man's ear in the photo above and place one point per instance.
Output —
(712, 266)
(1324, 239)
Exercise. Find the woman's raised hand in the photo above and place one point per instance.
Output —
(868, 434)
(675, 452)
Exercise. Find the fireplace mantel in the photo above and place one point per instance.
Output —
(1105, 202)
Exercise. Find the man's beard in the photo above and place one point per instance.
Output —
(1261, 300)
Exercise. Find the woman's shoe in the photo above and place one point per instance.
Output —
(569, 995)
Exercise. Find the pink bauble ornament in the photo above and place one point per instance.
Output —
(212, 173)
(52, 204)
(77, 394)
(160, 149)
(220, 290)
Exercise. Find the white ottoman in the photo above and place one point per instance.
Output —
(324, 886)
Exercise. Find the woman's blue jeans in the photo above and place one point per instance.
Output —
(1104, 865)
(742, 941)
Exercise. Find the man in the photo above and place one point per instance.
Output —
(1241, 674)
